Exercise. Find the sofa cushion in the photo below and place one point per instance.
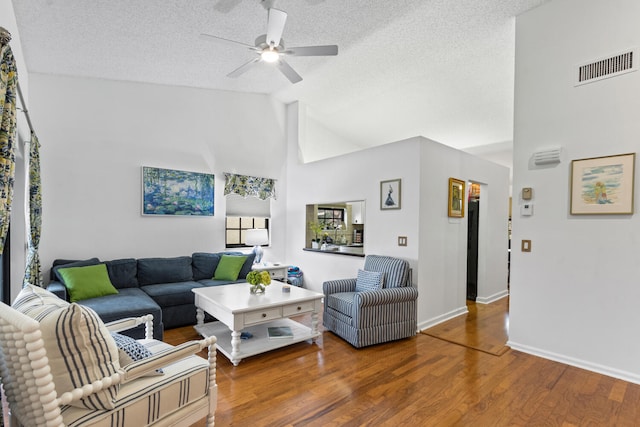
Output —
(204, 265)
(170, 294)
(59, 263)
(248, 263)
(369, 280)
(123, 272)
(229, 267)
(129, 302)
(164, 270)
(79, 347)
(85, 282)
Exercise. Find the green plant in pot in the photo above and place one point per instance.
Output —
(258, 280)
(316, 229)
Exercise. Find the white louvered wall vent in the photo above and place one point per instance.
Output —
(612, 66)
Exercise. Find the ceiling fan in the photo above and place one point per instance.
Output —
(270, 48)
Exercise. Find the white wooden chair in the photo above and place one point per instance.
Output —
(137, 394)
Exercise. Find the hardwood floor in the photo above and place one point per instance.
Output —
(483, 328)
(420, 381)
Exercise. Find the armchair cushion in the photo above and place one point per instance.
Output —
(184, 384)
(79, 347)
(369, 280)
(396, 270)
(131, 350)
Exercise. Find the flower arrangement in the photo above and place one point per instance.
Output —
(258, 280)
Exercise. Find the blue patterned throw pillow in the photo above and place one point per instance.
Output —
(369, 280)
(130, 350)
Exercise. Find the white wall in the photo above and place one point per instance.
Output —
(574, 298)
(437, 244)
(97, 134)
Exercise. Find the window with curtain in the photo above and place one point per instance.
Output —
(248, 205)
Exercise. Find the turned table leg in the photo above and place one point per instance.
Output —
(235, 348)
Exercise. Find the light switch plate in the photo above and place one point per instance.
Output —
(526, 246)
(402, 240)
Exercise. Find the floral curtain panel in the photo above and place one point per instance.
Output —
(33, 273)
(245, 186)
(8, 127)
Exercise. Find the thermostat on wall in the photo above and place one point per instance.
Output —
(526, 209)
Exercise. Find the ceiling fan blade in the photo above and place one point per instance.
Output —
(243, 68)
(328, 50)
(216, 38)
(289, 72)
(275, 26)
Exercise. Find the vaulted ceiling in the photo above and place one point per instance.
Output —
(442, 69)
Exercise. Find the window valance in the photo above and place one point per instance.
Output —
(245, 186)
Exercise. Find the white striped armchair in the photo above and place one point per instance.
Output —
(61, 366)
(379, 305)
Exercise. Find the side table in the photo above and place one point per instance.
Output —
(276, 271)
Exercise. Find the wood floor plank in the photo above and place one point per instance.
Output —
(417, 381)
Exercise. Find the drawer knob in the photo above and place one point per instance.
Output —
(264, 314)
(299, 308)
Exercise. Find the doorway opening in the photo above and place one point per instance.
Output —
(473, 227)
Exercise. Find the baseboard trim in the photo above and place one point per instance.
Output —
(492, 298)
(442, 318)
(578, 363)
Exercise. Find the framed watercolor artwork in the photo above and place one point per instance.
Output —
(456, 198)
(391, 194)
(174, 192)
(603, 185)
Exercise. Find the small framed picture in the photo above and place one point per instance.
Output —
(456, 198)
(603, 185)
(390, 194)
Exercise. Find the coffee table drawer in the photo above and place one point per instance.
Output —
(262, 316)
(302, 307)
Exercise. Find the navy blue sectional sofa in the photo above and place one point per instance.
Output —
(158, 286)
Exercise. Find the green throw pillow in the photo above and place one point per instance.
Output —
(87, 282)
(229, 267)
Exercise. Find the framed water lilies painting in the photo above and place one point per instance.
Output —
(175, 192)
(603, 185)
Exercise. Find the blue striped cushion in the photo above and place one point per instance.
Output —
(369, 280)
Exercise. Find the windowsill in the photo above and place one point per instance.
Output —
(333, 252)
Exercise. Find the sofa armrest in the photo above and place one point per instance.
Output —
(336, 286)
(58, 289)
(385, 296)
(132, 322)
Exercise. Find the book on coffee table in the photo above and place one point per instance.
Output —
(279, 332)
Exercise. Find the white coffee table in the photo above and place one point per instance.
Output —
(237, 310)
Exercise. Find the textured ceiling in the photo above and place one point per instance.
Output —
(442, 69)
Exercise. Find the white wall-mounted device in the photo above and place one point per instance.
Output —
(526, 209)
(547, 157)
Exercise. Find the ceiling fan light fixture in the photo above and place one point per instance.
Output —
(270, 55)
